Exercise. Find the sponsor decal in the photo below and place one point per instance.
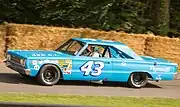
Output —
(50, 55)
(46, 61)
(66, 66)
(51, 61)
(158, 77)
(123, 64)
(36, 67)
(38, 55)
(34, 62)
(44, 55)
(40, 62)
(160, 69)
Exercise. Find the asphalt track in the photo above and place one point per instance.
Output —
(11, 81)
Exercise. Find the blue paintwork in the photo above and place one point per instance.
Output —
(114, 69)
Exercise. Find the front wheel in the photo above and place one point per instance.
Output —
(138, 80)
(48, 75)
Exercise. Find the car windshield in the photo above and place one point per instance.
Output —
(71, 47)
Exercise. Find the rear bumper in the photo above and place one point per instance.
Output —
(164, 76)
(17, 68)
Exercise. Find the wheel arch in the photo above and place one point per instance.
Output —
(139, 83)
(146, 72)
(60, 70)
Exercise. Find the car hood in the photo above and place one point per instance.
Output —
(36, 53)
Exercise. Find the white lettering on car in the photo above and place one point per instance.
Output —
(36, 67)
(34, 62)
(92, 68)
(158, 77)
(160, 69)
(123, 64)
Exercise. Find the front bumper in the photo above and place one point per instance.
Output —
(17, 67)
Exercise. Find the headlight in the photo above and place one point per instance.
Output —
(8, 57)
(23, 62)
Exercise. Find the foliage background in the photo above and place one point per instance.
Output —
(135, 16)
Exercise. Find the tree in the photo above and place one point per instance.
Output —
(160, 16)
(135, 16)
(174, 18)
(20, 11)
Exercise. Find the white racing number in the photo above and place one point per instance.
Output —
(92, 68)
(87, 68)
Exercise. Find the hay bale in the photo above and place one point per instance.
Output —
(134, 41)
(22, 36)
(2, 41)
(164, 47)
(37, 37)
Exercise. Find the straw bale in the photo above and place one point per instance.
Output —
(37, 37)
(164, 47)
(22, 36)
(2, 41)
(136, 42)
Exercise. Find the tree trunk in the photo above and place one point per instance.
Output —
(160, 16)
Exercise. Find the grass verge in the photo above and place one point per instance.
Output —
(90, 100)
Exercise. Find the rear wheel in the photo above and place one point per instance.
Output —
(138, 80)
(48, 75)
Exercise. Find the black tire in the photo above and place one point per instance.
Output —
(138, 80)
(48, 75)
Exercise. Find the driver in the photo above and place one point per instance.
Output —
(95, 51)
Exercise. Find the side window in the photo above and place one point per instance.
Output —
(124, 55)
(93, 51)
(114, 53)
(74, 46)
(66, 45)
(106, 53)
(118, 54)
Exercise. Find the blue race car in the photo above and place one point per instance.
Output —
(90, 60)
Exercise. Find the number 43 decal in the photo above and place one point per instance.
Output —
(92, 68)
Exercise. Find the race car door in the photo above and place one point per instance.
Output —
(91, 68)
(122, 65)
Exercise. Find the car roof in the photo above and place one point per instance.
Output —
(98, 41)
(117, 45)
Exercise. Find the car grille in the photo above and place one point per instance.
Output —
(15, 59)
